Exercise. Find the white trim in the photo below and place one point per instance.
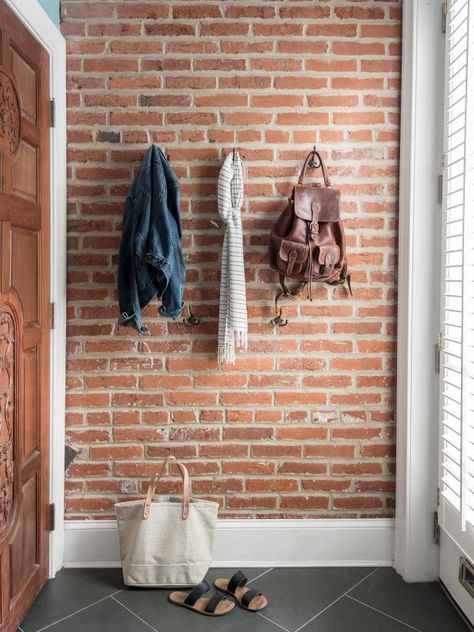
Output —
(94, 543)
(45, 31)
(450, 552)
(416, 557)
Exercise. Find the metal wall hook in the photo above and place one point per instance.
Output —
(314, 164)
(278, 321)
(191, 320)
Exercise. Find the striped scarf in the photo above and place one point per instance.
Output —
(232, 305)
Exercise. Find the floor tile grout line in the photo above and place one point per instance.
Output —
(389, 616)
(261, 575)
(134, 614)
(271, 621)
(338, 599)
(80, 610)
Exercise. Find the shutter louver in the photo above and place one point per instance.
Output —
(457, 360)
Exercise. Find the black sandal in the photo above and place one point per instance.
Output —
(203, 599)
(247, 598)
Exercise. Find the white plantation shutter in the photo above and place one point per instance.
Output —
(457, 358)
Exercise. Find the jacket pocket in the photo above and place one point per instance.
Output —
(292, 257)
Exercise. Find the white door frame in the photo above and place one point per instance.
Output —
(46, 32)
(416, 555)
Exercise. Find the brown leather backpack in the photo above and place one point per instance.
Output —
(307, 242)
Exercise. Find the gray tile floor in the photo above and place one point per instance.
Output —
(307, 599)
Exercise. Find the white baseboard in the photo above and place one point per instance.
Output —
(258, 543)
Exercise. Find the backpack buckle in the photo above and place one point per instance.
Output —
(313, 230)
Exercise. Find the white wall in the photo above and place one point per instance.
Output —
(52, 9)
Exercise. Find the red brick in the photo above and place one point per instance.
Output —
(222, 485)
(360, 13)
(377, 450)
(251, 502)
(271, 485)
(357, 502)
(142, 10)
(326, 485)
(329, 451)
(248, 434)
(294, 398)
(359, 468)
(224, 450)
(113, 452)
(248, 467)
(302, 467)
(137, 434)
(304, 502)
(301, 433)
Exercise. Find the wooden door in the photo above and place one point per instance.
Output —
(24, 318)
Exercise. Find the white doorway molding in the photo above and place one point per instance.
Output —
(416, 555)
(45, 31)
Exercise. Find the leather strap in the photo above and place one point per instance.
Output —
(157, 476)
(327, 182)
(237, 580)
(248, 596)
(198, 591)
(213, 601)
(287, 291)
(314, 225)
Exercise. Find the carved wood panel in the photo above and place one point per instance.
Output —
(7, 399)
(9, 114)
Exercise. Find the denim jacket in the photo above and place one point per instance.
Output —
(151, 259)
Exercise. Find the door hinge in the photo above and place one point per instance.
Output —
(53, 308)
(52, 517)
(438, 348)
(436, 530)
(444, 16)
(438, 496)
(440, 188)
(52, 113)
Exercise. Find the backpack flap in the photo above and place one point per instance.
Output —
(329, 255)
(328, 199)
(292, 257)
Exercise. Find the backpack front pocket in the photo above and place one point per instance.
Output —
(292, 258)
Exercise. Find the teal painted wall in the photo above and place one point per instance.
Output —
(52, 9)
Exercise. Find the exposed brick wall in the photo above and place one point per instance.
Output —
(303, 424)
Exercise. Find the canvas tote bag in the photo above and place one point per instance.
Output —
(166, 540)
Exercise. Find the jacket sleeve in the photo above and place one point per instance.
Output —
(130, 314)
(172, 299)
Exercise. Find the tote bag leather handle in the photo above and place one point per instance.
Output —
(156, 477)
(327, 182)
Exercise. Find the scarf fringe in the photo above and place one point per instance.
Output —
(226, 351)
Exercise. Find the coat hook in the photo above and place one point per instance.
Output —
(191, 319)
(278, 321)
(314, 164)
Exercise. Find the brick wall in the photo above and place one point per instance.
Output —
(303, 424)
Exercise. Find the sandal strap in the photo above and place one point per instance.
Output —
(236, 581)
(196, 592)
(214, 601)
(248, 596)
